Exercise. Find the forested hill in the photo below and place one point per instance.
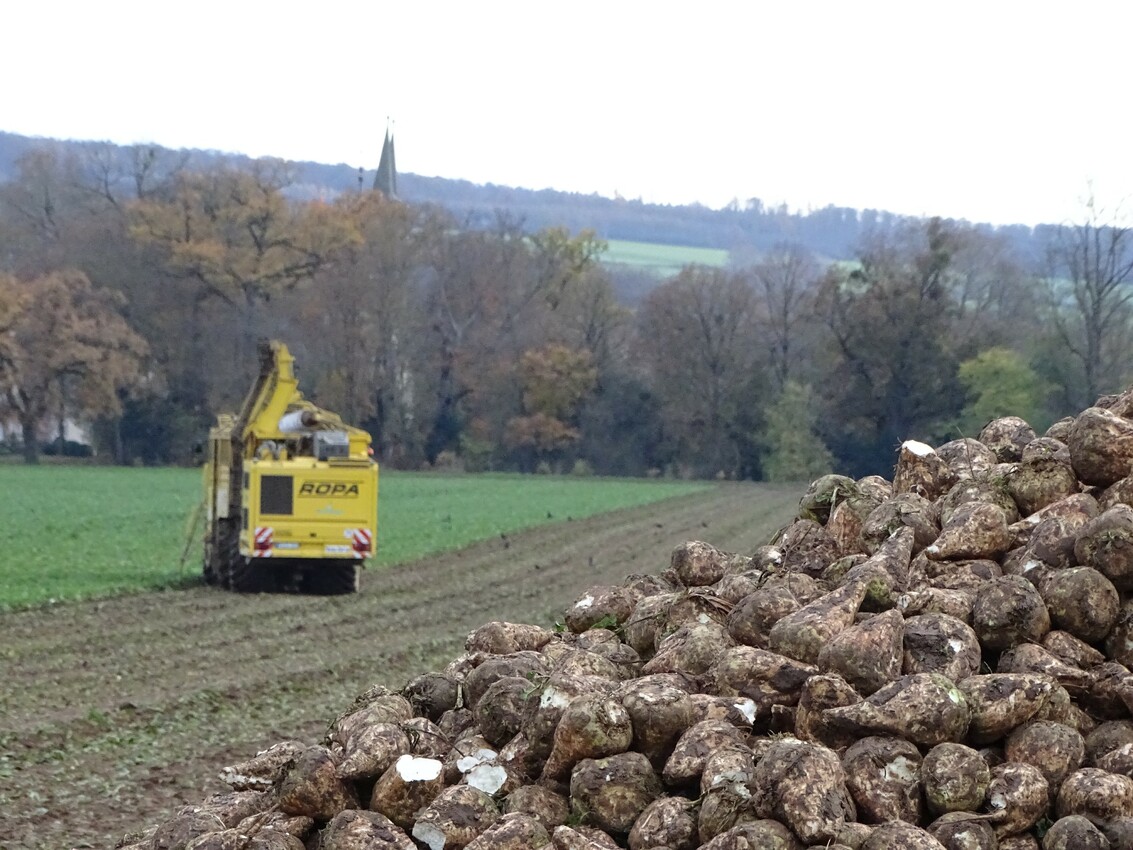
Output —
(746, 228)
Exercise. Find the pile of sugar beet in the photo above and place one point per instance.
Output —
(940, 660)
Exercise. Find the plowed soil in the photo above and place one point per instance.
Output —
(115, 713)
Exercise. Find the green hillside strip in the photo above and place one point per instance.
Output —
(81, 532)
(662, 260)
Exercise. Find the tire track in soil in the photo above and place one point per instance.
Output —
(117, 712)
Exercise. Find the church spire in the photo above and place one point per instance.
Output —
(385, 181)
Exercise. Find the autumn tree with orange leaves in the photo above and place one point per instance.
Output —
(65, 350)
(233, 232)
(555, 380)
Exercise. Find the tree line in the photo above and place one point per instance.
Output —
(134, 283)
(748, 227)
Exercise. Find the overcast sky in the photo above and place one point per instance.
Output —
(989, 111)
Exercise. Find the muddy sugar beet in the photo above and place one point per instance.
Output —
(939, 660)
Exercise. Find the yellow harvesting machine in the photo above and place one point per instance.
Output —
(291, 491)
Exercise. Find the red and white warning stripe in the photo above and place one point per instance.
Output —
(263, 542)
(363, 542)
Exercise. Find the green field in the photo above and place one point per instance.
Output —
(83, 531)
(662, 260)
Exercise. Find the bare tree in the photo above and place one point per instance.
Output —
(491, 296)
(111, 176)
(368, 323)
(787, 281)
(694, 336)
(1089, 272)
(992, 291)
(38, 211)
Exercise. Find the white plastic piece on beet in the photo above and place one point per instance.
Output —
(918, 448)
(430, 835)
(747, 708)
(418, 768)
(488, 778)
(473, 761)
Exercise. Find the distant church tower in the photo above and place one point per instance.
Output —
(385, 181)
